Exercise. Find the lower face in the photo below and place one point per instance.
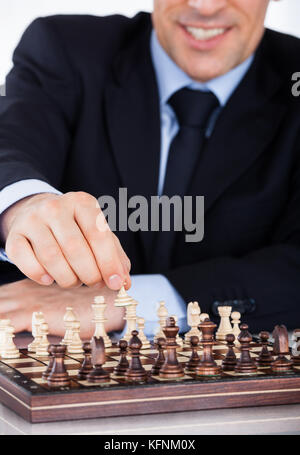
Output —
(208, 38)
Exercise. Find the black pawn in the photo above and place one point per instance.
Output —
(230, 360)
(87, 365)
(265, 358)
(58, 376)
(160, 359)
(123, 364)
(135, 372)
(98, 374)
(194, 359)
(245, 364)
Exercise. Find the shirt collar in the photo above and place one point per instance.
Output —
(171, 78)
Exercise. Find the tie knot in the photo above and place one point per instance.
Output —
(193, 107)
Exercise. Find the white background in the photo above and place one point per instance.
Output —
(15, 15)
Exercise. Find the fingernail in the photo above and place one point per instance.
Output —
(46, 279)
(115, 282)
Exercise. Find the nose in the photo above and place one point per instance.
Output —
(208, 7)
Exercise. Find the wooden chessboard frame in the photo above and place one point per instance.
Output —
(36, 403)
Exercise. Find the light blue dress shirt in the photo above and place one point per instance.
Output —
(148, 290)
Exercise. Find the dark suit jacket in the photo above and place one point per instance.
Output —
(82, 113)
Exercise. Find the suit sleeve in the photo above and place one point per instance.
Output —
(269, 276)
(38, 112)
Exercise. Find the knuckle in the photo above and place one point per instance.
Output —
(51, 208)
(50, 253)
(71, 245)
(82, 197)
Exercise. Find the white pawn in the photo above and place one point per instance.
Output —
(9, 349)
(76, 346)
(69, 318)
(193, 320)
(225, 326)
(42, 349)
(179, 340)
(142, 336)
(236, 319)
(130, 318)
(4, 323)
(99, 307)
(37, 320)
(162, 314)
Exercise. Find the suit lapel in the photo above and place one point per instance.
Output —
(245, 128)
(133, 120)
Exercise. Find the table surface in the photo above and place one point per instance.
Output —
(257, 420)
(264, 420)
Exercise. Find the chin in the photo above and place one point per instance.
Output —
(203, 70)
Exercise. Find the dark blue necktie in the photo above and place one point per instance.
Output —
(193, 109)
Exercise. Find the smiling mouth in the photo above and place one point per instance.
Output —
(205, 34)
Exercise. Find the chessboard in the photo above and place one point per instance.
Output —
(23, 389)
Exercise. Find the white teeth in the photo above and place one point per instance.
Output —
(204, 33)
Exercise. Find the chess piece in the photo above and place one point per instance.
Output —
(98, 374)
(236, 319)
(162, 314)
(99, 306)
(58, 376)
(4, 323)
(75, 347)
(42, 348)
(135, 372)
(8, 348)
(281, 348)
(69, 318)
(179, 340)
(203, 317)
(37, 320)
(193, 320)
(131, 319)
(171, 369)
(87, 365)
(245, 364)
(124, 300)
(141, 326)
(123, 364)
(296, 347)
(48, 370)
(160, 359)
(265, 358)
(194, 359)
(207, 365)
(225, 326)
(229, 362)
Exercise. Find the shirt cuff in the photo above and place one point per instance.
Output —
(148, 290)
(19, 190)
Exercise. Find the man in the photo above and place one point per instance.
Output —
(195, 102)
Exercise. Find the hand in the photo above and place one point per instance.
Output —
(19, 300)
(67, 239)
